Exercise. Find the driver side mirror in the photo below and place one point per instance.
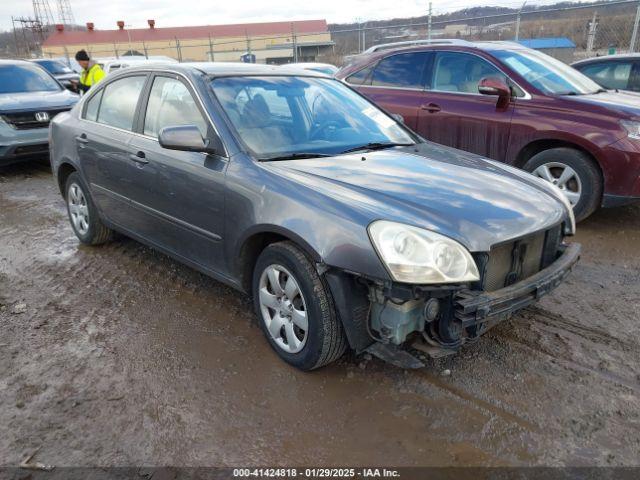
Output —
(186, 138)
(496, 87)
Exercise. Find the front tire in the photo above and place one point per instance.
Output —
(295, 308)
(83, 214)
(575, 173)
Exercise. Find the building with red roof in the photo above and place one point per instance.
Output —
(271, 42)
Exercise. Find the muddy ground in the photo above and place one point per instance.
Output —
(125, 357)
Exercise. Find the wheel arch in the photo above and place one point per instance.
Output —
(256, 240)
(539, 145)
(65, 169)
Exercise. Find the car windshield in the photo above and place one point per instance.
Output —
(280, 116)
(26, 78)
(546, 73)
(55, 67)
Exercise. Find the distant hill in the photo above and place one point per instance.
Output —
(615, 22)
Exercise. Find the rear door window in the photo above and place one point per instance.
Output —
(405, 70)
(462, 72)
(119, 102)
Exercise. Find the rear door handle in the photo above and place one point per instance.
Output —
(82, 139)
(139, 157)
(431, 108)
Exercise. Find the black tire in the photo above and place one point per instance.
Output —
(585, 168)
(325, 340)
(96, 232)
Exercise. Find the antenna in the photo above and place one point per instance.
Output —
(65, 13)
(42, 12)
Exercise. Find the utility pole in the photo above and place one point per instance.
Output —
(15, 36)
(179, 52)
(364, 36)
(129, 37)
(634, 35)
(592, 31)
(211, 58)
(429, 23)
(518, 20)
(295, 43)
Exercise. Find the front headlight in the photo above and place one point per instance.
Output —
(632, 128)
(415, 255)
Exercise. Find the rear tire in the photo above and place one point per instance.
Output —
(83, 214)
(572, 171)
(295, 308)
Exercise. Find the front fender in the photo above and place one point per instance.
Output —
(261, 200)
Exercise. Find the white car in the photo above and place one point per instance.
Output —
(111, 64)
(325, 68)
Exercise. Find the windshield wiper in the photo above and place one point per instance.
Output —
(294, 156)
(376, 146)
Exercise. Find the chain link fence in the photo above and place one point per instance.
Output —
(592, 29)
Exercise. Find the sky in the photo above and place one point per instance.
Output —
(171, 13)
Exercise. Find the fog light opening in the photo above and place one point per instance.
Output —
(431, 310)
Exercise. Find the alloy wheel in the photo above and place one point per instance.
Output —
(283, 308)
(78, 209)
(564, 177)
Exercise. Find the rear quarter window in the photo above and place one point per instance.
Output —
(93, 106)
(361, 77)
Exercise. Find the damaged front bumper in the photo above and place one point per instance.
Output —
(477, 308)
(385, 319)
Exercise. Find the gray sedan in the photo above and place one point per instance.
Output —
(348, 229)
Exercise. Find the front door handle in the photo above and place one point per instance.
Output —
(139, 157)
(431, 108)
(82, 139)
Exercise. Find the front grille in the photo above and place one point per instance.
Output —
(28, 120)
(31, 149)
(511, 262)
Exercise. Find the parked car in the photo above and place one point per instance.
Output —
(61, 72)
(515, 105)
(29, 98)
(613, 72)
(346, 227)
(325, 68)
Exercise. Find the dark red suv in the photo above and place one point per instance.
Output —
(515, 105)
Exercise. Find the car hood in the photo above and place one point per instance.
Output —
(627, 102)
(11, 102)
(477, 202)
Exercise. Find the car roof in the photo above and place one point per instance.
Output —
(308, 64)
(441, 45)
(605, 58)
(10, 61)
(225, 69)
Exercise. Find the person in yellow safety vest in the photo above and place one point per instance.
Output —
(91, 71)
